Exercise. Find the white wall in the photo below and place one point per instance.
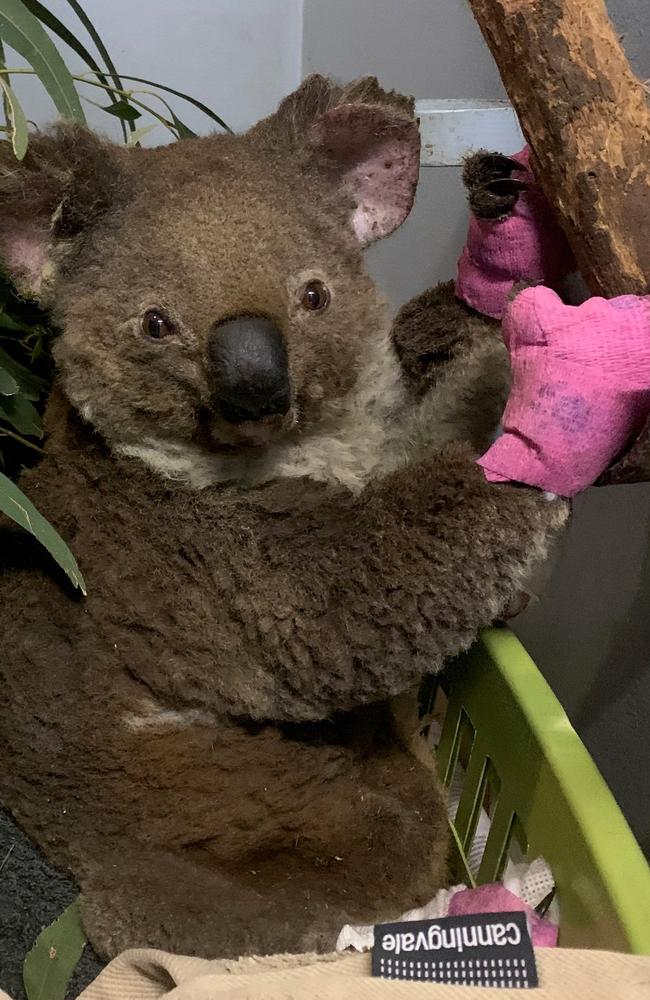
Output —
(240, 57)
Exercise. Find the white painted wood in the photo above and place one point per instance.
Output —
(451, 129)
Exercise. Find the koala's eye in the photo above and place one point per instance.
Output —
(155, 325)
(315, 296)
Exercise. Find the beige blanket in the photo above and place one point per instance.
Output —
(151, 975)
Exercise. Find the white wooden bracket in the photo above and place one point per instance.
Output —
(451, 129)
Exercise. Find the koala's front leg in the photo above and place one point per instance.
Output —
(370, 593)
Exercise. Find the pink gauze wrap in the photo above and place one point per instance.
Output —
(580, 389)
(528, 245)
(494, 898)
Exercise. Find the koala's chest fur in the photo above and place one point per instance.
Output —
(377, 428)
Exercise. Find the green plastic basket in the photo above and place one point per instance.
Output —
(526, 766)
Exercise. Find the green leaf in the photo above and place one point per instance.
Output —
(37, 349)
(21, 414)
(47, 18)
(140, 133)
(19, 133)
(183, 131)
(185, 97)
(54, 957)
(20, 29)
(15, 505)
(9, 323)
(31, 386)
(101, 48)
(122, 109)
(8, 385)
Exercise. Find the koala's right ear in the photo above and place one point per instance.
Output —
(65, 183)
(362, 141)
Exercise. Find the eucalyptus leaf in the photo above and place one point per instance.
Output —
(21, 414)
(24, 33)
(140, 133)
(99, 44)
(31, 386)
(15, 505)
(37, 349)
(9, 323)
(8, 385)
(49, 965)
(5, 102)
(185, 97)
(17, 120)
(183, 131)
(47, 18)
(123, 110)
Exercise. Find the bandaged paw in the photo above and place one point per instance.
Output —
(580, 389)
(526, 244)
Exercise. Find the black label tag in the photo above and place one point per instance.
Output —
(482, 949)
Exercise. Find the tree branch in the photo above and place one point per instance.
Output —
(585, 116)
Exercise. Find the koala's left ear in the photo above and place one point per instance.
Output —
(65, 183)
(363, 139)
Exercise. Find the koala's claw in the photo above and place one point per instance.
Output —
(482, 167)
(492, 191)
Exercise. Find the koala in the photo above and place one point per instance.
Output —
(274, 501)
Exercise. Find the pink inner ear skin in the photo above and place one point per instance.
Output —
(383, 187)
(25, 253)
(375, 153)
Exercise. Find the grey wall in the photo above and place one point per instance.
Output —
(590, 633)
(632, 21)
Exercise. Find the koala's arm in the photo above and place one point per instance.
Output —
(358, 598)
(288, 602)
(449, 352)
(435, 330)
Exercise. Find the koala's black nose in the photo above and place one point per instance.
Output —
(250, 368)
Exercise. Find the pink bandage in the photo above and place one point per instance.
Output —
(526, 246)
(580, 390)
(494, 898)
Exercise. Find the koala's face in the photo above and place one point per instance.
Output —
(213, 292)
(221, 310)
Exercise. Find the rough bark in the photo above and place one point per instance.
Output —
(586, 118)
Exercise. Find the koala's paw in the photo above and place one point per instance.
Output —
(492, 191)
(432, 334)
